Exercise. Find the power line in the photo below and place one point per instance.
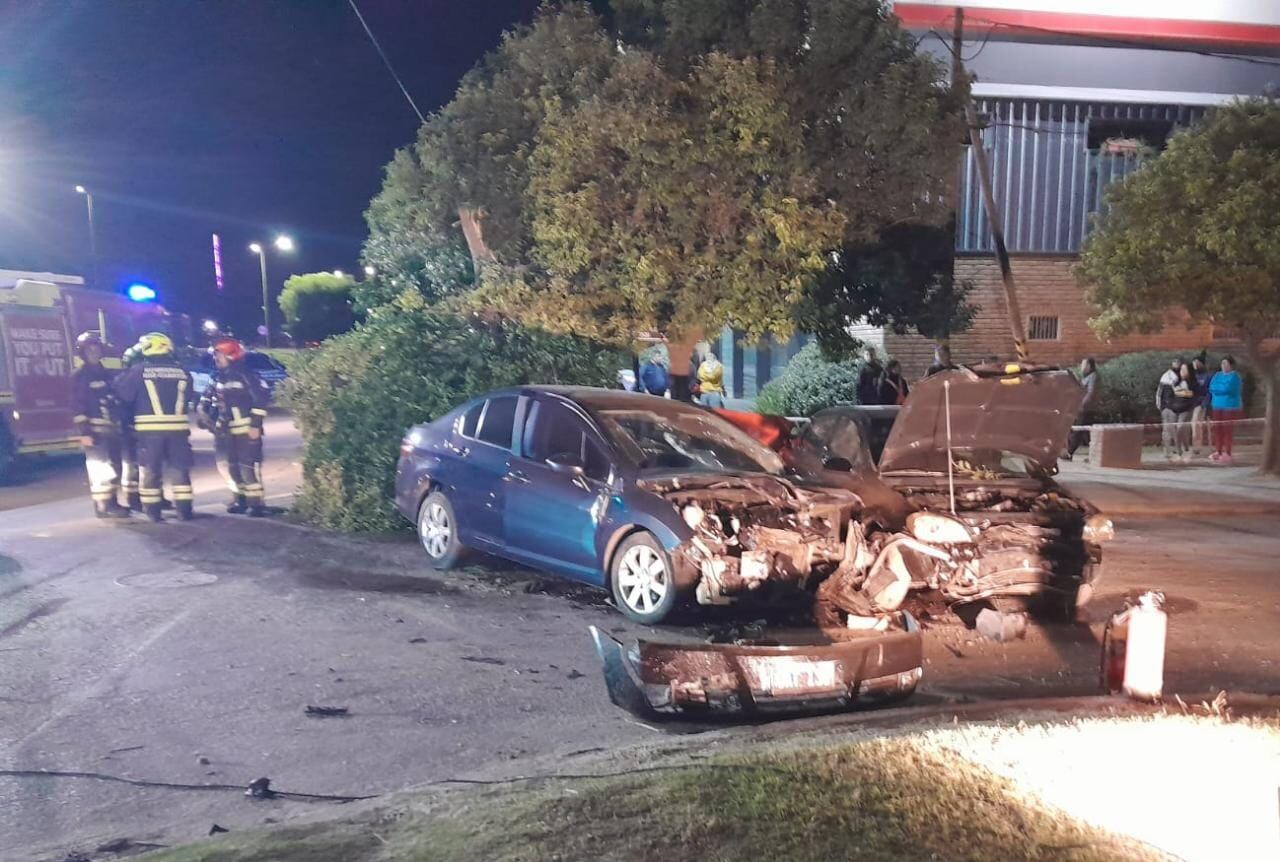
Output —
(386, 62)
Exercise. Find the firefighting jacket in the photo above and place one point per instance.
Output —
(235, 400)
(156, 396)
(97, 411)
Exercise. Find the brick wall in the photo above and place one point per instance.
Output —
(1046, 287)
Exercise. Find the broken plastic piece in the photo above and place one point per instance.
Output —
(993, 625)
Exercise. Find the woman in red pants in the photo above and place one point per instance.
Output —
(1225, 394)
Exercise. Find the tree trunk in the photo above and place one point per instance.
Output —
(680, 351)
(1268, 369)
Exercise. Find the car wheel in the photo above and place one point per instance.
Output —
(643, 586)
(438, 532)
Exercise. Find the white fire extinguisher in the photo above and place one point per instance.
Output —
(1133, 649)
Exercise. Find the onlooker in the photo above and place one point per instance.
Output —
(1185, 396)
(893, 386)
(869, 378)
(941, 360)
(1201, 412)
(1227, 405)
(1164, 402)
(1088, 377)
(711, 381)
(653, 377)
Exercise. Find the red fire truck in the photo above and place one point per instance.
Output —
(41, 314)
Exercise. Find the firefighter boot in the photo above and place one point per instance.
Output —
(237, 506)
(134, 501)
(258, 510)
(184, 508)
(153, 512)
(165, 503)
(109, 510)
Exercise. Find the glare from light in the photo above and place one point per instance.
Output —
(81, 190)
(209, 326)
(284, 243)
(370, 272)
(256, 248)
(139, 292)
(337, 273)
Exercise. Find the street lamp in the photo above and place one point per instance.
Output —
(370, 272)
(283, 243)
(93, 234)
(337, 273)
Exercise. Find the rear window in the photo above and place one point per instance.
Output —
(498, 420)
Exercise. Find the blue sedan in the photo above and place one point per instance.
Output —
(606, 487)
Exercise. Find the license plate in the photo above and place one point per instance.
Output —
(785, 675)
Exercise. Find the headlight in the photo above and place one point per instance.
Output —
(938, 529)
(1099, 529)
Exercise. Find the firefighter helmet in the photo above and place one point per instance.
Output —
(228, 347)
(85, 340)
(131, 356)
(155, 344)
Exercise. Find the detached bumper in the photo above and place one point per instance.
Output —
(651, 678)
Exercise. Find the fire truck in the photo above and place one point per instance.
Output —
(41, 313)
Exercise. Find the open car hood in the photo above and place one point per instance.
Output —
(1002, 408)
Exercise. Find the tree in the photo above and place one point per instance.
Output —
(317, 305)
(710, 162)
(1198, 229)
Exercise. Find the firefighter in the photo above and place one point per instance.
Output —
(157, 395)
(233, 408)
(98, 421)
(129, 475)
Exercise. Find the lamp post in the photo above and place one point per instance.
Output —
(93, 234)
(283, 243)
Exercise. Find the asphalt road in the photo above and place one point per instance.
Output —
(188, 653)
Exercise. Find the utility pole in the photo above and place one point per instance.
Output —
(988, 195)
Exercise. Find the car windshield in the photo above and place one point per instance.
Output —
(686, 439)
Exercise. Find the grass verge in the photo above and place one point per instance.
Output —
(1089, 789)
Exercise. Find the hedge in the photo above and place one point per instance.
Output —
(810, 383)
(355, 396)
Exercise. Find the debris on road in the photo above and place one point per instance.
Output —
(483, 659)
(260, 788)
(417, 640)
(327, 711)
(1001, 627)
(202, 760)
(215, 829)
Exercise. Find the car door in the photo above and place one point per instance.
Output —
(551, 514)
(481, 452)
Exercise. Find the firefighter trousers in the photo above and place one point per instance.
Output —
(240, 463)
(159, 451)
(102, 463)
(129, 469)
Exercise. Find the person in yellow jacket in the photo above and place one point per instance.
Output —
(711, 381)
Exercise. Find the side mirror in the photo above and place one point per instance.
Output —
(566, 463)
(837, 463)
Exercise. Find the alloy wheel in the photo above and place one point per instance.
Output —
(642, 579)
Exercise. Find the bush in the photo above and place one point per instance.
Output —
(1128, 384)
(810, 383)
(317, 305)
(354, 397)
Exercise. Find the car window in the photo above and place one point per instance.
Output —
(839, 436)
(258, 361)
(471, 420)
(553, 431)
(498, 421)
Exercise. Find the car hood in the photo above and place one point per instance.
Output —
(1028, 413)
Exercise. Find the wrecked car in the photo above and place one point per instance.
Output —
(658, 501)
(972, 453)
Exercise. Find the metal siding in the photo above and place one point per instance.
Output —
(1048, 187)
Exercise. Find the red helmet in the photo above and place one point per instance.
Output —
(229, 347)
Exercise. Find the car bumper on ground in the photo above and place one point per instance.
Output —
(653, 678)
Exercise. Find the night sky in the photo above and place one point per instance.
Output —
(185, 117)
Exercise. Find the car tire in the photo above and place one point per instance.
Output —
(642, 579)
(438, 532)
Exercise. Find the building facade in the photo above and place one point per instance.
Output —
(1072, 95)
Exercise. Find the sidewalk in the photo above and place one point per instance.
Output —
(1163, 488)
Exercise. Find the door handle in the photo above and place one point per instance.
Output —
(518, 476)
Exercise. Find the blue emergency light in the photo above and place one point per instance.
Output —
(139, 292)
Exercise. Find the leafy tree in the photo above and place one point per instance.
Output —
(317, 305)
(702, 165)
(1198, 228)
